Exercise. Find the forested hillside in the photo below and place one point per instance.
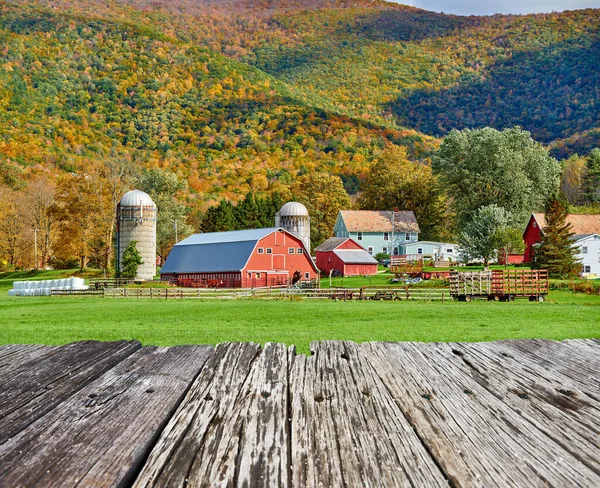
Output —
(244, 95)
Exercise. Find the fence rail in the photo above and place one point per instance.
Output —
(365, 293)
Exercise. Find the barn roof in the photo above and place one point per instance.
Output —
(355, 256)
(379, 221)
(331, 243)
(216, 252)
(581, 224)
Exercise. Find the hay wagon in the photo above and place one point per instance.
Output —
(504, 285)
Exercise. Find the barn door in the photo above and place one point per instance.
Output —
(278, 261)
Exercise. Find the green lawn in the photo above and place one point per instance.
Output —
(62, 320)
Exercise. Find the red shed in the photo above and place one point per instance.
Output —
(345, 256)
(580, 225)
(243, 258)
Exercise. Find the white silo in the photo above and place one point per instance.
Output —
(136, 221)
(294, 218)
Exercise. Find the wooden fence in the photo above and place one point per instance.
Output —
(345, 294)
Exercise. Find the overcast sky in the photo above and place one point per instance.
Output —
(488, 7)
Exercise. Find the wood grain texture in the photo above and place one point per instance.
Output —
(13, 356)
(347, 429)
(476, 438)
(550, 402)
(101, 435)
(33, 387)
(231, 429)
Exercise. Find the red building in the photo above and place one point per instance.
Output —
(580, 225)
(345, 256)
(244, 258)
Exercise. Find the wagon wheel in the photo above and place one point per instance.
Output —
(397, 299)
(540, 298)
(468, 298)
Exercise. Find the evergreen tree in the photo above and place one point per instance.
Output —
(591, 180)
(556, 252)
(219, 218)
(131, 260)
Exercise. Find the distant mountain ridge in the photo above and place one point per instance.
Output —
(243, 95)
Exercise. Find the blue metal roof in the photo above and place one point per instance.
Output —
(208, 258)
(230, 236)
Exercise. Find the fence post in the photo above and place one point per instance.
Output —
(443, 296)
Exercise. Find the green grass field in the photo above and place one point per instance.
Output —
(157, 322)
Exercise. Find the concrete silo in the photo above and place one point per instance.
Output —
(136, 221)
(294, 218)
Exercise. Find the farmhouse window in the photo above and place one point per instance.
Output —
(449, 250)
(291, 250)
(396, 252)
(384, 249)
(587, 269)
(370, 250)
(584, 250)
(258, 275)
(386, 236)
(306, 276)
(420, 250)
(249, 274)
(299, 250)
(269, 250)
(535, 224)
(359, 236)
(407, 237)
(261, 250)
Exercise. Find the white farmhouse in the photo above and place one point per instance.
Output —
(588, 246)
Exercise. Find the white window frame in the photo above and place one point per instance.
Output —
(359, 236)
(307, 276)
(584, 250)
(370, 250)
(449, 250)
(419, 250)
(291, 250)
(299, 251)
(407, 236)
(587, 268)
(384, 249)
(260, 250)
(386, 236)
(269, 250)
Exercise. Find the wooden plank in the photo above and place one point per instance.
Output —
(101, 435)
(475, 438)
(346, 428)
(231, 429)
(578, 365)
(13, 356)
(555, 406)
(48, 378)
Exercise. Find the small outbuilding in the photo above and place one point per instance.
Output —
(345, 257)
(242, 258)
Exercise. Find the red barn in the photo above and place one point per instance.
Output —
(580, 225)
(243, 258)
(345, 256)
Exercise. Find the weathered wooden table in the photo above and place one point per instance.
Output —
(508, 413)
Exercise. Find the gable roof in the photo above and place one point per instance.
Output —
(581, 224)
(354, 256)
(218, 252)
(331, 243)
(582, 237)
(379, 221)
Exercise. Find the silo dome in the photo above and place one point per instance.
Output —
(136, 221)
(294, 218)
(293, 209)
(136, 198)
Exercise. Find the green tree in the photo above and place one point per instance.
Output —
(509, 240)
(131, 260)
(480, 167)
(556, 252)
(591, 179)
(395, 182)
(219, 218)
(164, 187)
(324, 196)
(479, 237)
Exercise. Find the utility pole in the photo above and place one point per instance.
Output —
(35, 231)
(175, 227)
